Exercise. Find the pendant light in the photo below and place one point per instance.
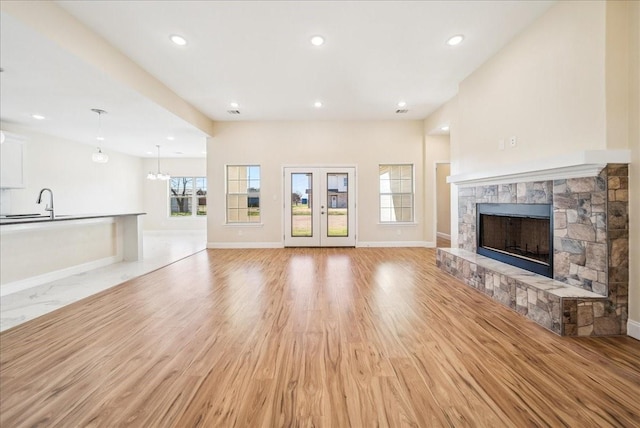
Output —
(98, 156)
(158, 175)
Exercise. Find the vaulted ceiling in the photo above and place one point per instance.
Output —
(256, 54)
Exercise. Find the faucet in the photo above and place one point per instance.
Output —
(48, 207)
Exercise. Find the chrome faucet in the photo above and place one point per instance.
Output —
(48, 207)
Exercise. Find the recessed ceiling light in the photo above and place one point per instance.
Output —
(149, 153)
(178, 40)
(204, 152)
(171, 138)
(455, 40)
(234, 104)
(444, 128)
(402, 104)
(38, 116)
(317, 104)
(317, 40)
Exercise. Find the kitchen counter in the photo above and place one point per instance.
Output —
(35, 249)
(40, 218)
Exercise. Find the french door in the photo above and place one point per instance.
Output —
(320, 207)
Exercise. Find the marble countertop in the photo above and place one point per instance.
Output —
(42, 218)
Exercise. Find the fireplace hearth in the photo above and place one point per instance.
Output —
(518, 234)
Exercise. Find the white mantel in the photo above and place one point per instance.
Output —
(586, 163)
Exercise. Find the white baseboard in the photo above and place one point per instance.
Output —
(34, 281)
(172, 232)
(633, 329)
(361, 244)
(232, 245)
(382, 244)
(444, 236)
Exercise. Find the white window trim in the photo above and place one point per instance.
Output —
(194, 202)
(226, 194)
(413, 196)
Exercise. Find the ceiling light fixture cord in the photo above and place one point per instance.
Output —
(100, 112)
(99, 126)
(99, 157)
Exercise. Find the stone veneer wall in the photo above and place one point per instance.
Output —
(591, 240)
(580, 232)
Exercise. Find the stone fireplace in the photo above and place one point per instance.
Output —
(587, 255)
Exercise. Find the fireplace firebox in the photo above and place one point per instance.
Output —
(518, 234)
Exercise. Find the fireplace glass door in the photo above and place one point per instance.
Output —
(524, 237)
(517, 234)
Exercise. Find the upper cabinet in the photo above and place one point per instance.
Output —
(11, 162)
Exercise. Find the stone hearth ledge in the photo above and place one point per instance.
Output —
(552, 304)
(540, 282)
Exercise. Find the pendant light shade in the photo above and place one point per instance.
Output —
(99, 157)
(158, 175)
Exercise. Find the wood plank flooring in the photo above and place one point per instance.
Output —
(308, 337)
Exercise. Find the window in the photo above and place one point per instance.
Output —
(188, 196)
(243, 194)
(396, 193)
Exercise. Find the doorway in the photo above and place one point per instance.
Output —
(320, 207)
(443, 202)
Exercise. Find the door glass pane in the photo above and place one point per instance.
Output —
(337, 205)
(301, 204)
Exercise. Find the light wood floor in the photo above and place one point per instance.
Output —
(308, 337)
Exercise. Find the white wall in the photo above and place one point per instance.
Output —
(156, 193)
(80, 186)
(547, 88)
(273, 145)
(438, 149)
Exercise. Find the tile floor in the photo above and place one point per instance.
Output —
(160, 249)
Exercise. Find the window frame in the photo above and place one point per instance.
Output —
(411, 194)
(249, 179)
(194, 197)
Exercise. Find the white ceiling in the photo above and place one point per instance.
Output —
(257, 54)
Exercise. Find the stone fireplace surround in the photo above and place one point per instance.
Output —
(588, 295)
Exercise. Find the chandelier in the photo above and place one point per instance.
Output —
(158, 175)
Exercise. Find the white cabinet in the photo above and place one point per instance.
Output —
(11, 163)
